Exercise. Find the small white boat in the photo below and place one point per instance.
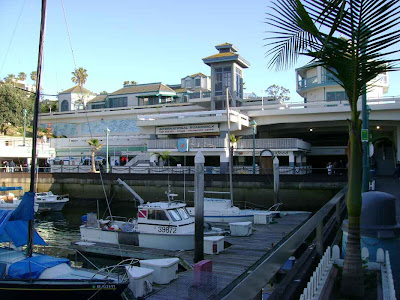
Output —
(217, 210)
(160, 225)
(47, 201)
(10, 201)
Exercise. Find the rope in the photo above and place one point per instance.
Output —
(12, 37)
(87, 117)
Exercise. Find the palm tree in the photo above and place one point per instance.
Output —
(80, 76)
(354, 40)
(10, 78)
(164, 156)
(234, 140)
(95, 146)
(33, 75)
(21, 76)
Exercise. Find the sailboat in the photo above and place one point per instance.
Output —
(36, 276)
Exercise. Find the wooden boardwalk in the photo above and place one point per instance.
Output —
(228, 266)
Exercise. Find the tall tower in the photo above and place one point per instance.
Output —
(226, 71)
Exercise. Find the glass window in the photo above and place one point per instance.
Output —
(336, 96)
(223, 78)
(197, 82)
(184, 213)
(239, 83)
(64, 105)
(174, 215)
(117, 102)
(157, 215)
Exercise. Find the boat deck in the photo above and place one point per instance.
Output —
(228, 267)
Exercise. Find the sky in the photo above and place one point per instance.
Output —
(146, 41)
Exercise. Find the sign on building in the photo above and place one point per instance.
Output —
(183, 145)
(187, 129)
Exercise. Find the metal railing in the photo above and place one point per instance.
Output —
(197, 143)
(252, 281)
(308, 82)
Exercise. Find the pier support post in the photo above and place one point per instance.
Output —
(199, 207)
(276, 179)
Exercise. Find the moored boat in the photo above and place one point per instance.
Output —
(47, 201)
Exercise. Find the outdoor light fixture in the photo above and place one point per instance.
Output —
(378, 127)
(254, 125)
(311, 129)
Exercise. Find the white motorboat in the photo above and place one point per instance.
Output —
(10, 201)
(160, 225)
(217, 210)
(47, 201)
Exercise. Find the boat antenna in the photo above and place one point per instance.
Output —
(31, 223)
(229, 143)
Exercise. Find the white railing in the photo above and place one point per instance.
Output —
(315, 287)
(319, 277)
(140, 157)
(279, 143)
(375, 104)
(120, 140)
(194, 143)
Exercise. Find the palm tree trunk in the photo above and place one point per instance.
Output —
(93, 162)
(352, 284)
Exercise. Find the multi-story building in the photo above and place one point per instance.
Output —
(148, 118)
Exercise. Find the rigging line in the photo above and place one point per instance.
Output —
(87, 117)
(69, 35)
(82, 98)
(12, 37)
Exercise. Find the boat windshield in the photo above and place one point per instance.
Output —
(174, 215)
(157, 215)
(184, 213)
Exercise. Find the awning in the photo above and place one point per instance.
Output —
(11, 188)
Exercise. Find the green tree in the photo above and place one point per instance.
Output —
(12, 104)
(48, 106)
(355, 41)
(234, 140)
(104, 93)
(10, 78)
(33, 76)
(278, 93)
(163, 157)
(79, 77)
(132, 82)
(21, 76)
(95, 146)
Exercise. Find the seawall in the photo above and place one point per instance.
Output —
(297, 192)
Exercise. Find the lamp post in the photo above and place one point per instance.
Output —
(365, 143)
(24, 125)
(107, 164)
(254, 125)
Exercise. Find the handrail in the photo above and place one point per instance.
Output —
(256, 277)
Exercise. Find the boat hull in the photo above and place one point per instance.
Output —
(11, 289)
(57, 205)
(229, 219)
(147, 240)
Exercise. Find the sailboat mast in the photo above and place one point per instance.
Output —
(31, 228)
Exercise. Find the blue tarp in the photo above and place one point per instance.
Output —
(25, 210)
(12, 188)
(14, 225)
(32, 267)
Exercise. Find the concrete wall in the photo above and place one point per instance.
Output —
(258, 190)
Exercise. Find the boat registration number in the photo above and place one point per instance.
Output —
(106, 286)
(166, 229)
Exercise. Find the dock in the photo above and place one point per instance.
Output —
(229, 267)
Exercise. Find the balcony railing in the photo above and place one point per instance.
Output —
(197, 143)
(282, 143)
(308, 82)
(194, 143)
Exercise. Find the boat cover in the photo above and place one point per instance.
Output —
(11, 188)
(33, 267)
(14, 223)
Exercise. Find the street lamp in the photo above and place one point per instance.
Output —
(254, 125)
(24, 125)
(107, 165)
